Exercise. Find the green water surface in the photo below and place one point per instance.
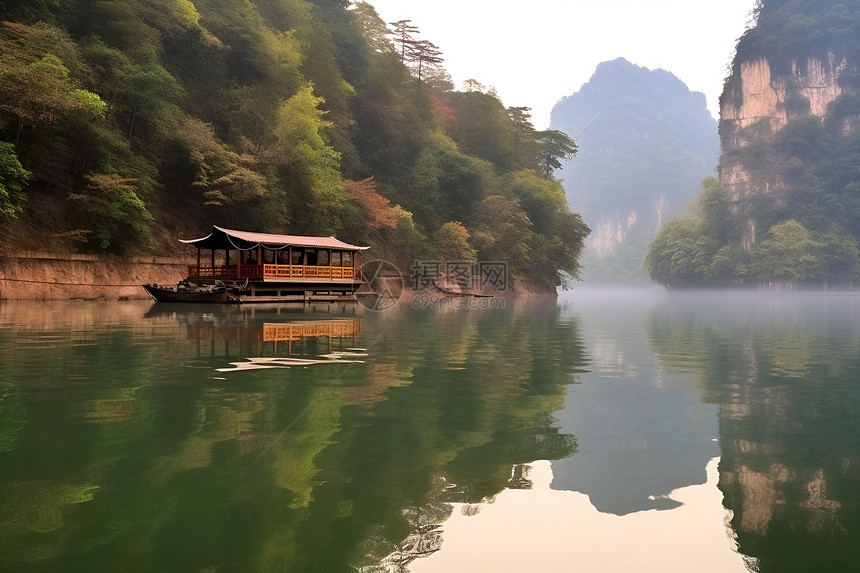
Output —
(136, 436)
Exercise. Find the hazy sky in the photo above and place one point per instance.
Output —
(534, 52)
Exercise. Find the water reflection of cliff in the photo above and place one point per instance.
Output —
(784, 374)
(643, 431)
(126, 448)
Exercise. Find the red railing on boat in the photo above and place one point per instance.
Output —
(310, 272)
(274, 272)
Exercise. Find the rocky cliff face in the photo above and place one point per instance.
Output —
(760, 95)
(756, 105)
(611, 232)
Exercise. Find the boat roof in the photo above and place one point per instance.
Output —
(221, 238)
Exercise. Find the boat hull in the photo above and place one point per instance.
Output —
(173, 294)
(232, 294)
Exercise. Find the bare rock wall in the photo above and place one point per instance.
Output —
(47, 276)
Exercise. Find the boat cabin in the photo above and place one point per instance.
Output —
(226, 254)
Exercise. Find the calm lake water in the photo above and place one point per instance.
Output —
(612, 432)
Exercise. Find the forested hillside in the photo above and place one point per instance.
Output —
(646, 141)
(124, 124)
(786, 208)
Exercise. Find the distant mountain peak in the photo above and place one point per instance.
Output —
(646, 141)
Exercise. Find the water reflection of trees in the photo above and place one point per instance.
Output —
(783, 372)
(134, 445)
(477, 405)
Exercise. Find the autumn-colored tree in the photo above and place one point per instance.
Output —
(380, 214)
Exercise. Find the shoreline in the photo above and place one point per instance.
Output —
(43, 275)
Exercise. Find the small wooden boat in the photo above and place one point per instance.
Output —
(191, 292)
(245, 266)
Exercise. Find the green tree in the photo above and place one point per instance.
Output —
(481, 127)
(319, 192)
(553, 147)
(226, 179)
(671, 256)
(559, 235)
(119, 24)
(523, 136)
(789, 254)
(541, 198)
(451, 241)
(36, 85)
(32, 11)
(716, 211)
(13, 181)
(373, 28)
(728, 266)
(503, 232)
(445, 184)
(112, 212)
(408, 242)
(840, 254)
(143, 95)
(694, 251)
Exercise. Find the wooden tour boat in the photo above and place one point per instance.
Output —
(243, 266)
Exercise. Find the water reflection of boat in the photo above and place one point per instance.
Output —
(215, 328)
(289, 331)
(255, 338)
(342, 330)
(258, 363)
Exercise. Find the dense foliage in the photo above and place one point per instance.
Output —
(799, 221)
(700, 250)
(138, 120)
(646, 141)
(790, 29)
